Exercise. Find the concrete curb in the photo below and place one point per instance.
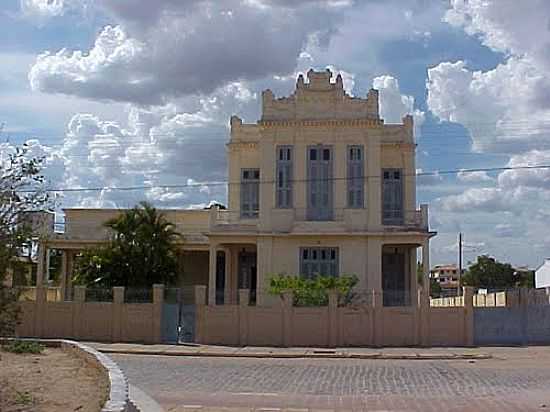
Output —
(118, 400)
(310, 355)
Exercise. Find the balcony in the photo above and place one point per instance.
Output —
(303, 220)
(409, 220)
(231, 220)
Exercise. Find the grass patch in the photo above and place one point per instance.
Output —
(23, 398)
(24, 346)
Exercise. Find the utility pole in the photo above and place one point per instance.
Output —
(459, 288)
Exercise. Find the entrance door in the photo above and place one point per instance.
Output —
(247, 278)
(392, 197)
(393, 278)
(319, 187)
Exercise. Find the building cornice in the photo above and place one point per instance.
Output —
(321, 123)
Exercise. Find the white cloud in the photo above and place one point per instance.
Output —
(424, 180)
(506, 108)
(531, 178)
(474, 177)
(475, 200)
(42, 9)
(394, 105)
(161, 50)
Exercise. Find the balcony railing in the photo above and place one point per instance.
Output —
(348, 218)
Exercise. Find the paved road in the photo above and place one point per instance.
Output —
(520, 382)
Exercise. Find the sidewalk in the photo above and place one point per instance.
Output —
(269, 352)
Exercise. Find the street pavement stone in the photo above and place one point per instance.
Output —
(515, 381)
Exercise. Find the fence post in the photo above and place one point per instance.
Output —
(40, 307)
(468, 293)
(158, 304)
(523, 306)
(244, 301)
(377, 321)
(79, 300)
(286, 315)
(424, 311)
(118, 306)
(201, 322)
(333, 319)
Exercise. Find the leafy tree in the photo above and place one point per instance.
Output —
(142, 251)
(21, 191)
(435, 288)
(489, 273)
(314, 291)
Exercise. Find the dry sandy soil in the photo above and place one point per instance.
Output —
(53, 381)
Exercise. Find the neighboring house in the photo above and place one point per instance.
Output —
(447, 277)
(320, 184)
(542, 275)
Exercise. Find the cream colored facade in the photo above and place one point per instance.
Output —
(371, 227)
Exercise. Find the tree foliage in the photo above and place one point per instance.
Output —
(489, 273)
(141, 252)
(314, 291)
(21, 192)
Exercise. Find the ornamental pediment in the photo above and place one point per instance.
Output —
(319, 98)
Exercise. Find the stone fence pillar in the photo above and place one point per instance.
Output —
(201, 313)
(158, 305)
(244, 302)
(468, 294)
(118, 303)
(286, 313)
(333, 324)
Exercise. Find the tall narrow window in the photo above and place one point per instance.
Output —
(250, 193)
(315, 261)
(392, 197)
(284, 177)
(355, 178)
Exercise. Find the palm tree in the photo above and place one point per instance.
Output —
(142, 251)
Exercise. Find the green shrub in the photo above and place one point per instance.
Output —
(24, 346)
(312, 291)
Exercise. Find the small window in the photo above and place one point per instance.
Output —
(326, 154)
(386, 175)
(313, 154)
(397, 175)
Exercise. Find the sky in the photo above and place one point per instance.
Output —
(120, 93)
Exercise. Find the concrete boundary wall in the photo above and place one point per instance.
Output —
(114, 321)
(332, 326)
(508, 298)
(525, 320)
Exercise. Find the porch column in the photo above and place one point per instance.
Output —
(264, 248)
(413, 278)
(41, 264)
(227, 292)
(63, 275)
(212, 274)
(374, 265)
(426, 268)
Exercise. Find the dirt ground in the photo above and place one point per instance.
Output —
(50, 382)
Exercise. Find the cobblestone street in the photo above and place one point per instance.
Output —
(517, 379)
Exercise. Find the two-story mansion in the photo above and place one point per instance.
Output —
(319, 185)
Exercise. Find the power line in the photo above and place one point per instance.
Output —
(226, 182)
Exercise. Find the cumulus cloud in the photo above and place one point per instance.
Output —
(506, 108)
(394, 105)
(474, 177)
(425, 180)
(527, 177)
(167, 49)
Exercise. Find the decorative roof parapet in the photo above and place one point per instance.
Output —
(319, 98)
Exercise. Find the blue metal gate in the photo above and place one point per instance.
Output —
(178, 317)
